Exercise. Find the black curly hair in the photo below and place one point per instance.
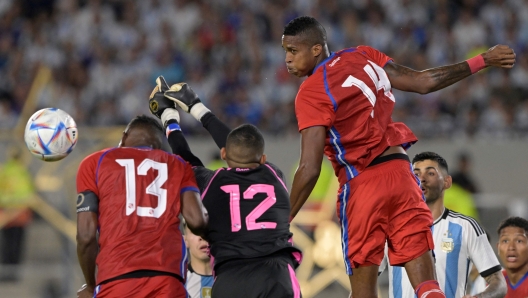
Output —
(311, 30)
(513, 221)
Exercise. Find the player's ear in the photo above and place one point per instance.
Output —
(262, 159)
(448, 181)
(223, 153)
(317, 50)
(123, 138)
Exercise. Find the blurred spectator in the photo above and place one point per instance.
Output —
(459, 197)
(230, 52)
(463, 176)
(16, 190)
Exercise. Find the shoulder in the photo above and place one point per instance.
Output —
(466, 221)
(199, 170)
(94, 157)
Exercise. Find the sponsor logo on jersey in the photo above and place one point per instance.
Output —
(447, 243)
(334, 62)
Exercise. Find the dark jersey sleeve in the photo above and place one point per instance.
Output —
(179, 146)
(216, 128)
(203, 177)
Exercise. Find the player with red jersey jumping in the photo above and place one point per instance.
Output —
(132, 196)
(344, 110)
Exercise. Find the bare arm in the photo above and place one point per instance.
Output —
(194, 212)
(312, 150)
(433, 79)
(496, 287)
(87, 247)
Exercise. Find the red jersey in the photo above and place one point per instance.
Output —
(139, 202)
(350, 94)
(519, 290)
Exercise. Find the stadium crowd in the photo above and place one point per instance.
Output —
(105, 55)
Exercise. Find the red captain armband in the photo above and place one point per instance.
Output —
(476, 63)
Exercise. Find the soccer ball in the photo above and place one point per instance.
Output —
(51, 134)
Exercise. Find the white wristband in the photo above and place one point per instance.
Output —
(199, 110)
(169, 114)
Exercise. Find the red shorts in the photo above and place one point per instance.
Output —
(383, 203)
(162, 286)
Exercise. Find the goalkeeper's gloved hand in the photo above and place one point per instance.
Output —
(157, 101)
(183, 95)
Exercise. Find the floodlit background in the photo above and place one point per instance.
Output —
(97, 60)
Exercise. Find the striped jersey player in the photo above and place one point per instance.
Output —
(459, 240)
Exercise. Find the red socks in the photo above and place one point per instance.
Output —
(429, 289)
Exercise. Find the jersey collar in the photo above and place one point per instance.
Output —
(332, 54)
(443, 216)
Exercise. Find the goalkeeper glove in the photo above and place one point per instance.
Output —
(157, 101)
(183, 95)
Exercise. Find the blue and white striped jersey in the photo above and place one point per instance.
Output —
(459, 240)
(198, 286)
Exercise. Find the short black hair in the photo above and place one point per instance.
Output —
(145, 121)
(151, 129)
(314, 32)
(513, 221)
(248, 138)
(428, 155)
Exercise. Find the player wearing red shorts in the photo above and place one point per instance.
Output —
(344, 110)
(129, 200)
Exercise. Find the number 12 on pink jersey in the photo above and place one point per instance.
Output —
(251, 220)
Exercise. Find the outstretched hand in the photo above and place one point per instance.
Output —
(499, 56)
(157, 101)
(183, 95)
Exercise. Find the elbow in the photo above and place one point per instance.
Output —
(503, 288)
(310, 171)
(424, 89)
(498, 286)
(199, 225)
(85, 240)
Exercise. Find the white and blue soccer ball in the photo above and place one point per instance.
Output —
(51, 134)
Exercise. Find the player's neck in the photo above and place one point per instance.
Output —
(516, 275)
(233, 164)
(324, 54)
(201, 267)
(437, 208)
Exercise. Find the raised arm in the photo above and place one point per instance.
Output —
(433, 79)
(164, 108)
(312, 150)
(183, 95)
